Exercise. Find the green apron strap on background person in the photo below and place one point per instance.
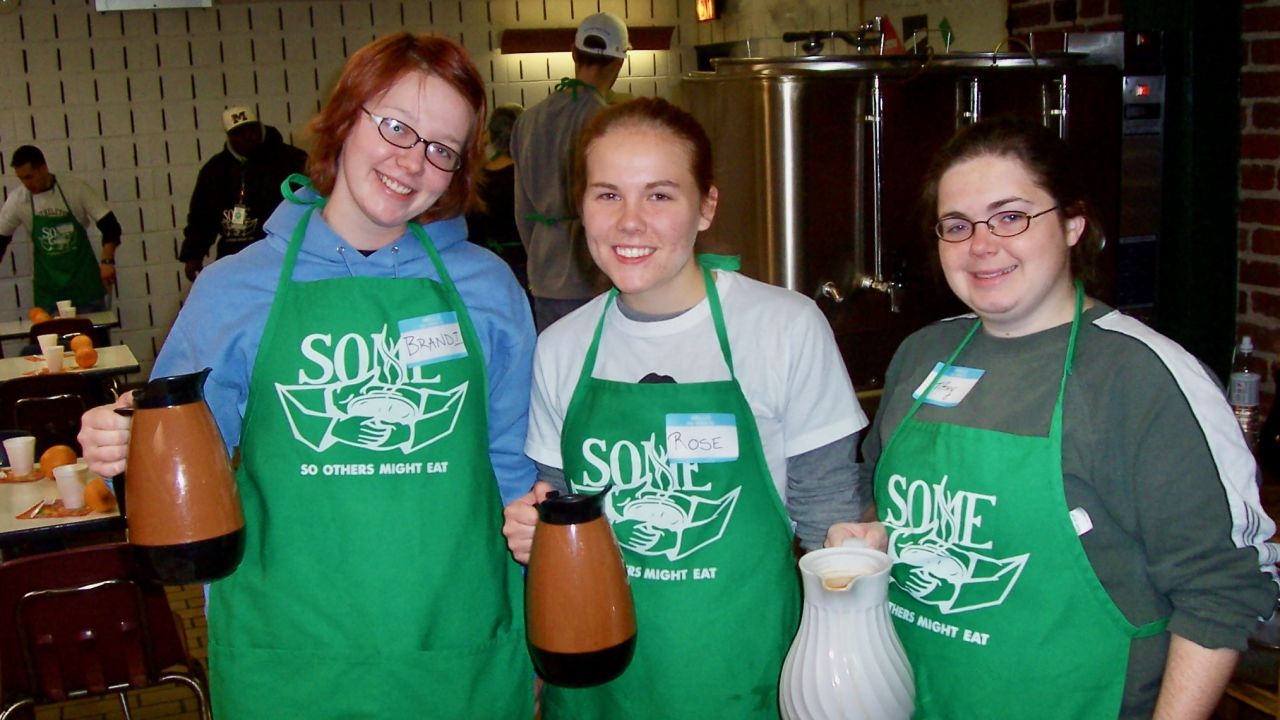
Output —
(707, 545)
(65, 266)
(573, 85)
(376, 582)
(993, 596)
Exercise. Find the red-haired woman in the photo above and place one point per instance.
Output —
(373, 372)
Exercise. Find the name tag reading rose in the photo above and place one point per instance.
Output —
(702, 437)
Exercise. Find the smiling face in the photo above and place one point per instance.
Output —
(379, 188)
(642, 212)
(1017, 285)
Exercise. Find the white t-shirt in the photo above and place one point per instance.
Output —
(84, 203)
(783, 351)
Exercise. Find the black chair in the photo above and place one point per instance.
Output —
(50, 406)
(84, 623)
(65, 329)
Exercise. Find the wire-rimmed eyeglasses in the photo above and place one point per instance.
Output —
(402, 136)
(1005, 223)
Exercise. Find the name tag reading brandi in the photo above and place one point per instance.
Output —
(431, 339)
(702, 437)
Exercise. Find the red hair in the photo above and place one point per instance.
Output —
(371, 71)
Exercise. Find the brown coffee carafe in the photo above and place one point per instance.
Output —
(184, 516)
(580, 621)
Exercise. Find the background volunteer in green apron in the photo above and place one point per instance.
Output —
(374, 375)
(719, 410)
(561, 275)
(55, 211)
(1070, 505)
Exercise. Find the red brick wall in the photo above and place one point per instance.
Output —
(1259, 232)
(1037, 15)
(1033, 16)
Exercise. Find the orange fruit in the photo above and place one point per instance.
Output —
(86, 357)
(81, 342)
(38, 314)
(98, 496)
(56, 456)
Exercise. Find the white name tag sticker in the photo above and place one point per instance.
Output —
(1081, 521)
(952, 387)
(702, 437)
(431, 339)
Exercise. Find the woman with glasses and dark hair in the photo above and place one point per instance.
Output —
(372, 369)
(1069, 503)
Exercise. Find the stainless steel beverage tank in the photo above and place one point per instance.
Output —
(819, 161)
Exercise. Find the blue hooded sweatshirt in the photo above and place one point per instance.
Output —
(222, 321)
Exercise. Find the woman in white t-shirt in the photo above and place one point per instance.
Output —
(717, 410)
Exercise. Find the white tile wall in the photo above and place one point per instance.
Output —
(132, 101)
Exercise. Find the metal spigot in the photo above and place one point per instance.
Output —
(830, 291)
(891, 288)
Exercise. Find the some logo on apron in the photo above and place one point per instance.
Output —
(58, 239)
(355, 390)
(656, 506)
(938, 535)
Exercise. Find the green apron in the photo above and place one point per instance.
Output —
(65, 266)
(993, 596)
(707, 545)
(375, 582)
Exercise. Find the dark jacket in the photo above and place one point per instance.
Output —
(218, 190)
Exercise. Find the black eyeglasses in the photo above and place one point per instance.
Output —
(402, 136)
(1006, 223)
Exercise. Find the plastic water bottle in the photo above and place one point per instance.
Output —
(1246, 384)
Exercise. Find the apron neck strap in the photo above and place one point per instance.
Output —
(717, 318)
(573, 84)
(300, 232)
(302, 181)
(31, 197)
(427, 244)
(1056, 423)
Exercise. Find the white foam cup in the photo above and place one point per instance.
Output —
(66, 309)
(70, 479)
(22, 453)
(47, 341)
(53, 358)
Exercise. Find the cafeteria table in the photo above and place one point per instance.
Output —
(20, 329)
(112, 360)
(16, 498)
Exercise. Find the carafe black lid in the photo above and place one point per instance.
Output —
(571, 509)
(172, 390)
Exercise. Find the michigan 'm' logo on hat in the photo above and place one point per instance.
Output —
(234, 117)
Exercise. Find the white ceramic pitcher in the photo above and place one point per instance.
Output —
(846, 662)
